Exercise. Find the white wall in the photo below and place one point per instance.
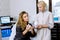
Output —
(4, 7)
(16, 6)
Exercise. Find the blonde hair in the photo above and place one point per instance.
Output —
(42, 3)
(20, 21)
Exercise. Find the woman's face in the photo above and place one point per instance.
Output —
(25, 17)
(41, 7)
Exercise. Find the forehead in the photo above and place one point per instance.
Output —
(25, 14)
(41, 4)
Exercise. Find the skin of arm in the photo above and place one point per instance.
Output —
(26, 30)
(32, 30)
(42, 26)
(29, 28)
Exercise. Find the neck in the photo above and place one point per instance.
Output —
(43, 11)
(26, 22)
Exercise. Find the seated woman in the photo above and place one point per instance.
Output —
(24, 29)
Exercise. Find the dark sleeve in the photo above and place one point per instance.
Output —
(33, 35)
(18, 35)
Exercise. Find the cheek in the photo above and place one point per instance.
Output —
(26, 19)
(40, 8)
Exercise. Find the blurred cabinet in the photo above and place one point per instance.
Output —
(58, 32)
(55, 32)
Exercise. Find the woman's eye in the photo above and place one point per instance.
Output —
(25, 17)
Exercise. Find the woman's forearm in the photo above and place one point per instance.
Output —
(25, 31)
(32, 32)
(44, 26)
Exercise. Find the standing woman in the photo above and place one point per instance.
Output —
(45, 22)
(24, 29)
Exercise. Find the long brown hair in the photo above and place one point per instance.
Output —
(20, 21)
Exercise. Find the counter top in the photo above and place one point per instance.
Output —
(3, 27)
(56, 21)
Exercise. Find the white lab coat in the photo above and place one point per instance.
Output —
(44, 18)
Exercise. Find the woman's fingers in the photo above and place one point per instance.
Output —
(39, 27)
(27, 27)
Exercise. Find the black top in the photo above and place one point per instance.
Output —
(20, 36)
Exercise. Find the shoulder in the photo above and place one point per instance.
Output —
(38, 14)
(48, 12)
(18, 27)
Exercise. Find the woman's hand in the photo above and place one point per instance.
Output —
(39, 26)
(31, 29)
(28, 27)
(44, 26)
